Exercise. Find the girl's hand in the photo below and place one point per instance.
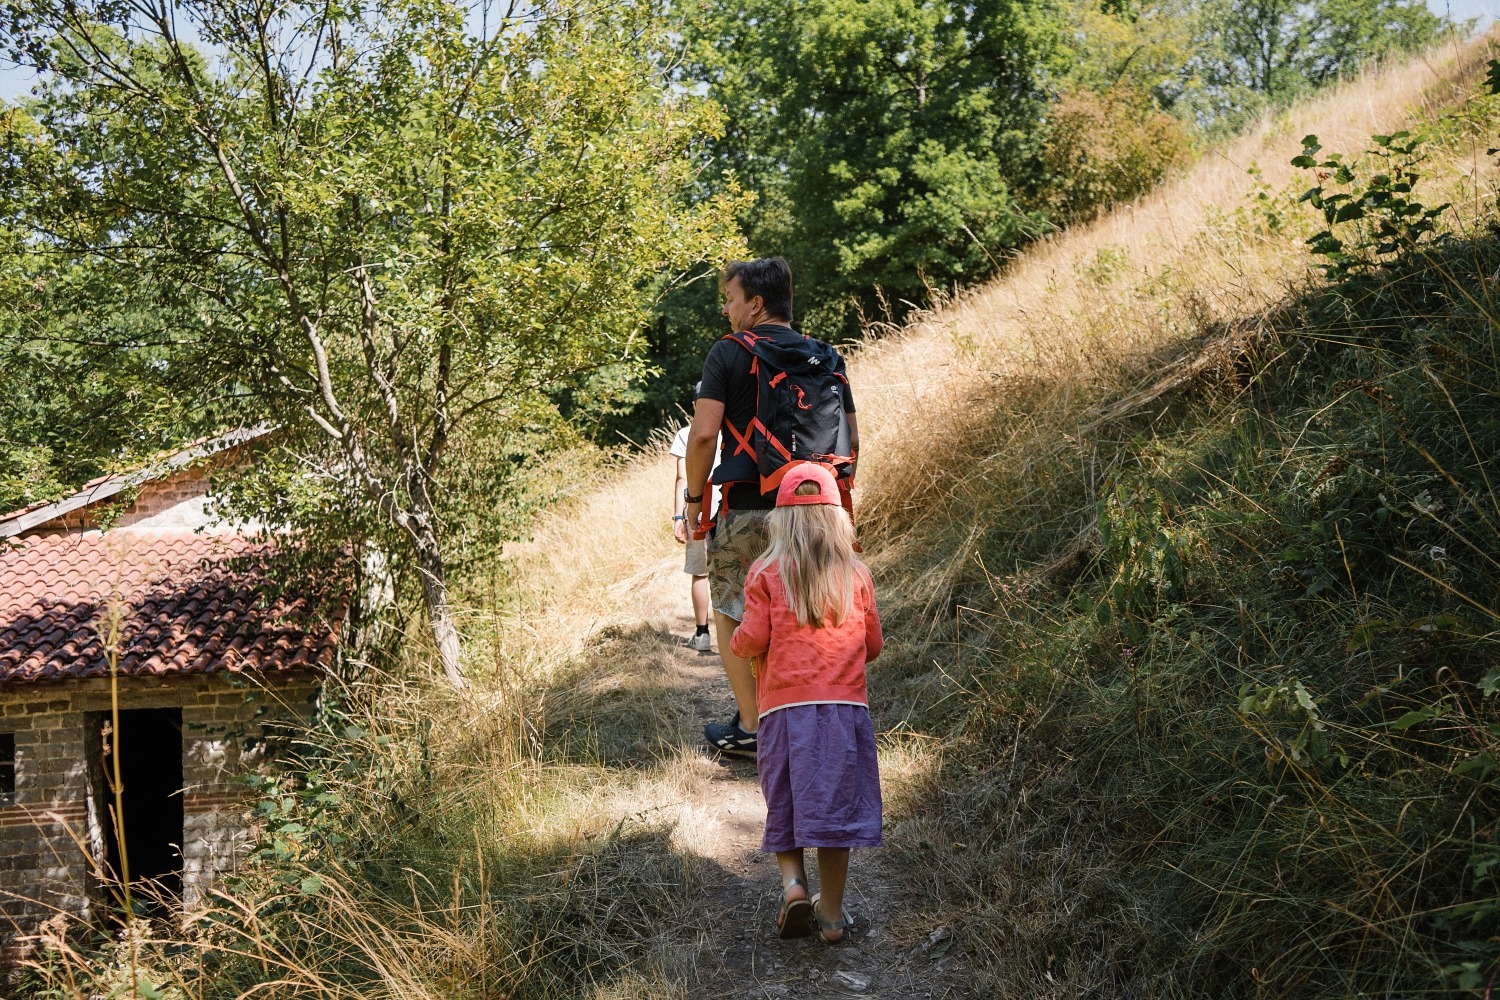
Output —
(679, 530)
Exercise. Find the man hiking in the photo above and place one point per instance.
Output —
(740, 375)
(695, 562)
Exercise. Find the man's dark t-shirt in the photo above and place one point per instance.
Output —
(727, 378)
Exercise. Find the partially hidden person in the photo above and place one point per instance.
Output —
(729, 419)
(695, 556)
(810, 626)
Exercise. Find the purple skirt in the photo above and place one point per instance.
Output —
(820, 776)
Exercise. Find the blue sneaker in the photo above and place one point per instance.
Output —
(730, 738)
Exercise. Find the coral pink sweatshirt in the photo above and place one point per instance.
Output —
(799, 664)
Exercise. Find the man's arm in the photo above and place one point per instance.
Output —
(708, 417)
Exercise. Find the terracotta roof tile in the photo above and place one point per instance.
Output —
(187, 604)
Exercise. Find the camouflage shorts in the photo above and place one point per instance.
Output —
(738, 540)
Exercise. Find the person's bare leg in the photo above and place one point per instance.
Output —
(700, 599)
(793, 917)
(833, 872)
(792, 867)
(737, 668)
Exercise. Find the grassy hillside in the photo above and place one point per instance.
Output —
(1193, 557)
(1189, 557)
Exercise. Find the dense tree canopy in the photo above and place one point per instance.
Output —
(894, 146)
(401, 231)
(887, 141)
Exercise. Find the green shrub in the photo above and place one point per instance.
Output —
(1104, 148)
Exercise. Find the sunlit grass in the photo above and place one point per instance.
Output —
(1058, 793)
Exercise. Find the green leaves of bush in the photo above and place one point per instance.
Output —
(1148, 554)
(1368, 205)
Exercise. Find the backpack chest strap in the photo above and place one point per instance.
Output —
(742, 445)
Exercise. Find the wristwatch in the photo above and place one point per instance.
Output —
(679, 517)
(690, 498)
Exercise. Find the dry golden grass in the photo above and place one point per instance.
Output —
(587, 561)
(1068, 312)
(966, 415)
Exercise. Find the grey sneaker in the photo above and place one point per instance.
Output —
(702, 642)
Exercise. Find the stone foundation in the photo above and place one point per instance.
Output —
(53, 831)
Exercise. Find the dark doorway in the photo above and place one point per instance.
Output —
(150, 742)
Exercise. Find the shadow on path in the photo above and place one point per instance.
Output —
(635, 704)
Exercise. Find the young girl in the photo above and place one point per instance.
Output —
(810, 625)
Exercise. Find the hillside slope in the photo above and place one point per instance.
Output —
(1175, 537)
(1199, 559)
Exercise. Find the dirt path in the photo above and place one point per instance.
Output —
(892, 952)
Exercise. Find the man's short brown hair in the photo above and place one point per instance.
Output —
(768, 277)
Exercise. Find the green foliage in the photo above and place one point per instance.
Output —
(401, 242)
(1218, 65)
(1250, 55)
(1369, 205)
(1106, 148)
(1148, 558)
(1139, 47)
(81, 393)
(1290, 703)
(888, 144)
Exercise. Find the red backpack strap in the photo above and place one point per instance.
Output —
(742, 441)
(745, 338)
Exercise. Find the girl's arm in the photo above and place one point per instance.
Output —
(874, 638)
(753, 636)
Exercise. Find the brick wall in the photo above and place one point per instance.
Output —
(178, 501)
(174, 502)
(52, 832)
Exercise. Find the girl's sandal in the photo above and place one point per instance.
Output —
(827, 927)
(794, 920)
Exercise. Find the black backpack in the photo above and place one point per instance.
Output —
(799, 407)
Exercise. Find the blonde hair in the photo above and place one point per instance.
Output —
(812, 548)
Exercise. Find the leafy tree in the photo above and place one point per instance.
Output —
(1272, 51)
(80, 394)
(402, 230)
(1134, 47)
(1217, 64)
(888, 142)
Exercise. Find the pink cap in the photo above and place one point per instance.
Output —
(807, 472)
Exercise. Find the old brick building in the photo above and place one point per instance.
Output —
(210, 661)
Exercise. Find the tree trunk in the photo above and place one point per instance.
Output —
(439, 611)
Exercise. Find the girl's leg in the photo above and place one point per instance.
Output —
(794, 918)
(833, 871)
(792, 867)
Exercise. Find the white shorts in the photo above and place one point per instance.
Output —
(695, 561)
